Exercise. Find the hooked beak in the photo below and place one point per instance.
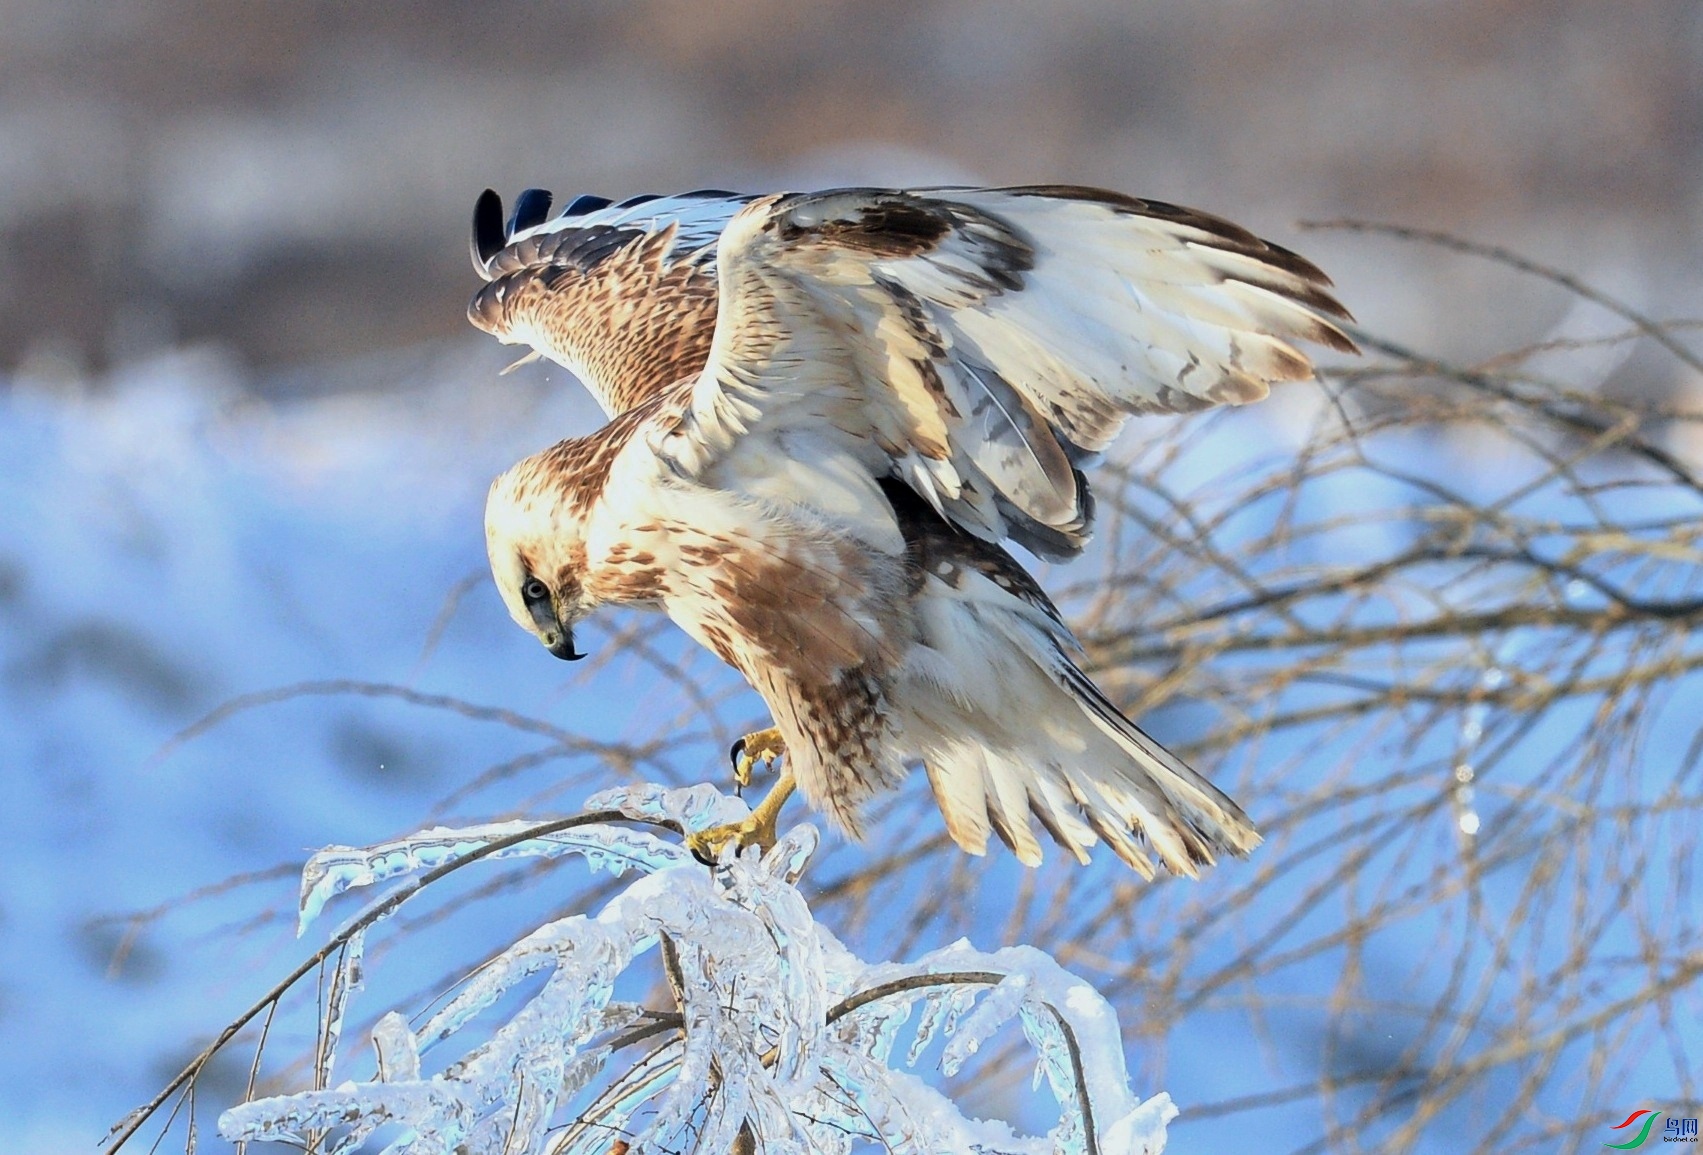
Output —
(563, 647)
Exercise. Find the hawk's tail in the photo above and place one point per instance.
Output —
(1008, 727)
(1148, 796)
(1197, 821)
(1088, 774)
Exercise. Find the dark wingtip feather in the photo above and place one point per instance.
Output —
(530, 209)
(488, 236)
(585, 203)
(1328, 334)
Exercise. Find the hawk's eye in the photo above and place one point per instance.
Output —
(535, 591)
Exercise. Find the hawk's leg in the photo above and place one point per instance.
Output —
(760, 828)
(763, 746)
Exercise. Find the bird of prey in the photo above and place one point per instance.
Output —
(829, 410)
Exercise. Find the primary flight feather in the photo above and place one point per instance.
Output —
(829, 409)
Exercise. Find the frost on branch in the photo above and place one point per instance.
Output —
(776, 1038)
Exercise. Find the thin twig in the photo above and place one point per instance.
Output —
(378, 911)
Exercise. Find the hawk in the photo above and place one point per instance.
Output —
(828, 412)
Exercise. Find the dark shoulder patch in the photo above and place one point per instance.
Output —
(885, 224)
(934, 546)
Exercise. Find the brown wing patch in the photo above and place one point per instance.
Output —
(818, 635)
(800, 616)
(615, 302)
(890, 224)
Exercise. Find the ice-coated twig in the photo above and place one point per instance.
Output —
(616, 849)
(346, 979)
(775, 1038)
(692, 808)
(395, 1049)
(127, 1127)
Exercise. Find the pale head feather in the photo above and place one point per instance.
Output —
(532, 532)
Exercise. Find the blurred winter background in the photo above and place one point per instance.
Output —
(245, 430)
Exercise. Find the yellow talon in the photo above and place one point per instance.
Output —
(757, 830)
(764, 746)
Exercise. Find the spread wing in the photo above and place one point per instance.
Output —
(980, 344)
(622, 294)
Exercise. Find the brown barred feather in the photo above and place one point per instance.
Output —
(626, 317)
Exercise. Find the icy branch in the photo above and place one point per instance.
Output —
(778, 1039)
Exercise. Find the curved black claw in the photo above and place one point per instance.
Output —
(736, 753)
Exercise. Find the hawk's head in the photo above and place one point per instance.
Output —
(537, 551)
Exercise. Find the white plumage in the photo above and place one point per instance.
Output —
(814, 483)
